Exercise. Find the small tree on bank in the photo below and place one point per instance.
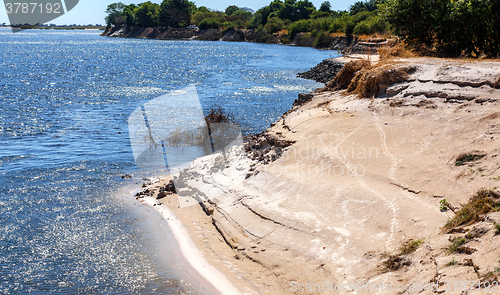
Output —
(176, 13)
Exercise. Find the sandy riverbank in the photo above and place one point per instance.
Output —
(362, 178)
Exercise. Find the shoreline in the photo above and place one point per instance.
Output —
(340, 184)
(186, 253)
(343, 44)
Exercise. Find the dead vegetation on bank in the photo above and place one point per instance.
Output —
(396, 261)
(366, 80)
(481, 203)
(369, 79)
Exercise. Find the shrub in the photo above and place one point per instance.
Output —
(337, 25)
(209, 23)
(370, 26)
(228, 27)
(274, 25)
(298, 27)
(444, 205)
(217, 114)
(322, 40)
(396, 261)
(349, 28)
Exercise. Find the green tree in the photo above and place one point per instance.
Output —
(304, 9)
(303, 25)
(147, 14)
(451, 27)
(370, 5)
(231, 9)
(128, 14)
(326, 7)
(176, 13)
(274, 25)
(209, 23)
(418, 21)
(262, 15)
(288, 10)
(114, 14)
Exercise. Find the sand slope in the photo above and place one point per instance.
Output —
(363, 177)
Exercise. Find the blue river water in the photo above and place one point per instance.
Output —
(65, 97)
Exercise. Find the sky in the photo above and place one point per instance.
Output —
(92, 11)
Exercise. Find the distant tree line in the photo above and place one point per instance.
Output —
(442, 27)
(291, 15)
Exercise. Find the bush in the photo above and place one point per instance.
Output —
(455, 244)
(261, 35)
(209, 23)
(337, 25)
(349, 28)
(370, 26)
(299, 26)
(322, 40)
(274, 25)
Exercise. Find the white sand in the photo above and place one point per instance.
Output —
(190, 252)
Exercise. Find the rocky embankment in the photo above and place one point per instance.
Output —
(324, 72)
(346, 44)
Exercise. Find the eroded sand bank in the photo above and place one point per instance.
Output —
(362, 178)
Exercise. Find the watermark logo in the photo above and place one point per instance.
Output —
(23, 14)
(169, 132)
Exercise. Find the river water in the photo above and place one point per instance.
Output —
(66, 224)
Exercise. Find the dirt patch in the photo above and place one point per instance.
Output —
(265, 148)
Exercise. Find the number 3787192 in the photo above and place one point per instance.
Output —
(33, 8)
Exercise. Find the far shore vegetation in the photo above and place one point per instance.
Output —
(447, 28)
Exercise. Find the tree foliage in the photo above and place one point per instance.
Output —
(114, 11)
(176, 13)
(146, 15)
(447, 27)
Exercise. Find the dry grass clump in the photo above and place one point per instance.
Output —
(455, 244)
(397, 50)
(411, 246)
(218, 115)
(359, 76)
(396, 261)
(369, 81)
(345, 76)
(468, 157)
(483, 202)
